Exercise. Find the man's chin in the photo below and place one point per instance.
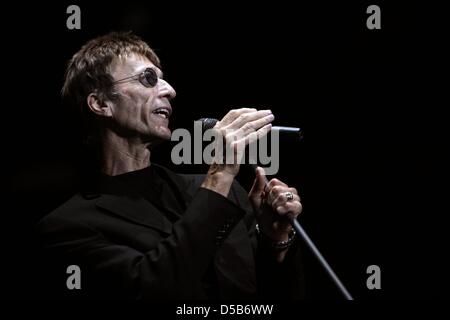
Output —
(165, 134)
(156, 138)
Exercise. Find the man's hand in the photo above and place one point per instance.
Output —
(237, 129)
(274, 203)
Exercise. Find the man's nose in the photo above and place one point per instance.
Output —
(166, 90)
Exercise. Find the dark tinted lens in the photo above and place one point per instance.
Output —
(150, 77)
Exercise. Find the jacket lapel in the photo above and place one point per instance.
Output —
(114, 197)
(135, 209)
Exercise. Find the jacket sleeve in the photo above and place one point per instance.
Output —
(173, 269)
(275, 281)
(280, 281)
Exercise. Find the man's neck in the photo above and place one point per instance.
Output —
(120, 155)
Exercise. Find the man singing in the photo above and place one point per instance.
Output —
(141, 231)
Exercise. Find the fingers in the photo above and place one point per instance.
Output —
(254, 136)
(278, 193)
(241, 127)
(259, 183)
(290, 207)
(243, 122)
(238, 128)
(238, 145)
(251, 121)
(275, 183)
(233, 114)
(276, 197)
(281, 198)
(253, 126)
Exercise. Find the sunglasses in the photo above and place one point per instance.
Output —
(148, 78)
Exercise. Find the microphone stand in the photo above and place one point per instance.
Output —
(208, 123)
(301, 232)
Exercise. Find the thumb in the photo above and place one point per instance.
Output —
(259, 184)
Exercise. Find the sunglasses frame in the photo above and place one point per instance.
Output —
(143, 76)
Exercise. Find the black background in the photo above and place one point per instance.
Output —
(368, 169)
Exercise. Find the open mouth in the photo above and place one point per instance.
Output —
(163, 112)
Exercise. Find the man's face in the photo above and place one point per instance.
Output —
(140, 112)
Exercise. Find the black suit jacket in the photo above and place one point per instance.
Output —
(127, 248)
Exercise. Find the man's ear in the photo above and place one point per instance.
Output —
(99, 106)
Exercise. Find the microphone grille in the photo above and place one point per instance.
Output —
(208, 123)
